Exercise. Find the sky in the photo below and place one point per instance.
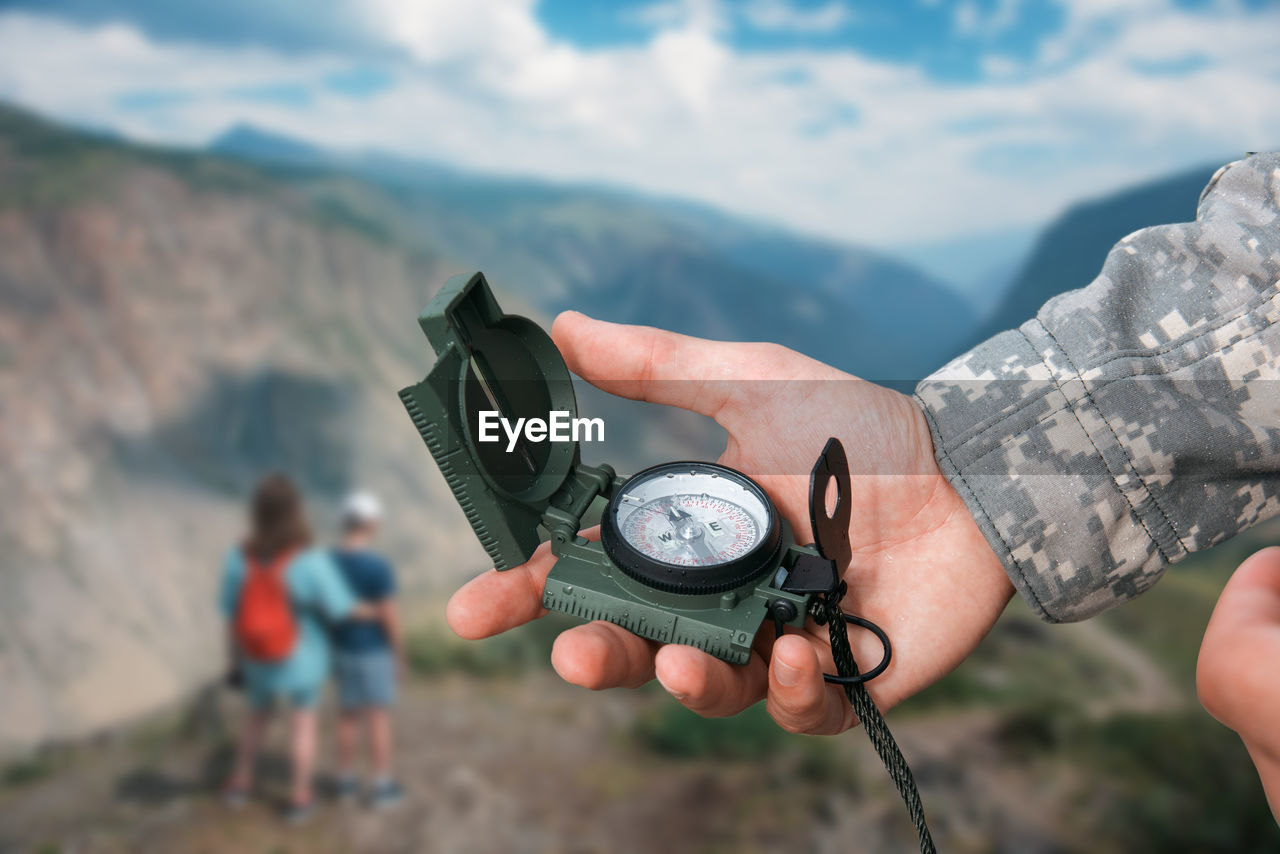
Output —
(878, 122)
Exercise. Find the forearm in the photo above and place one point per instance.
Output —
(366, 611)
(395, 633)
(1131, 422)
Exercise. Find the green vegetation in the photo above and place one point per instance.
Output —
(1168, 623)
(1187, 792)
(1023, 663)
(672, 730)
(435, 651)
(1176, 782)
(669, 729)
(337, 212)
(32, 769)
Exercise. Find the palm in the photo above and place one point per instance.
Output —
(921, 568)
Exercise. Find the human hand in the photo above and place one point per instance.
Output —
(1237, 676)
(921, 568)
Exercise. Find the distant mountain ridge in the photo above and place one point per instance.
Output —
(1070, 252)
(631, 258)
(249, 142)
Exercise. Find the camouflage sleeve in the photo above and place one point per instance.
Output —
(1133, 421)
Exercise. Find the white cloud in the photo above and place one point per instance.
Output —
(967, 18)
(1005, 15)
(706, 15)
(778, 15)
(685, 114)
(81, 74)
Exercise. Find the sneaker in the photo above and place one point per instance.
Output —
(346, 789)
(298, 814)
(386, 794)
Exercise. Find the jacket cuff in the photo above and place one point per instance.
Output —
(1019, 436)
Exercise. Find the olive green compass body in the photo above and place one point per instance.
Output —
(689, 552)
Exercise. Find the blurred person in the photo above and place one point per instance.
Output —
(1073, 459)
(1238, 673)
(369, 655)
(278, 592)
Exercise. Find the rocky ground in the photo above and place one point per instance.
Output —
(524, 763)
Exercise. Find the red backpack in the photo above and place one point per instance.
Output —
(265, 627)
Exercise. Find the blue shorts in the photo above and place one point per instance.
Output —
(265, 697)
(365, 679)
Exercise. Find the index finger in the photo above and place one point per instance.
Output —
(654, 365)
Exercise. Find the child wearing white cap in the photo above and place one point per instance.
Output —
(367, 654)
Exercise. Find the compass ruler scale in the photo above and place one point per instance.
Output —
(690, 552)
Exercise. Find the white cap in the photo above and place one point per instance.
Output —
(361, 507)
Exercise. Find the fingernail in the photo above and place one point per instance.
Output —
(678, 695)
(788, 676)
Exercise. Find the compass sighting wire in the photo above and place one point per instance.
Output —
(503, 411)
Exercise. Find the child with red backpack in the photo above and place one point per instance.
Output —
(279, 595)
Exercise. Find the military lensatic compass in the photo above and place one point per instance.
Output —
(690, 552)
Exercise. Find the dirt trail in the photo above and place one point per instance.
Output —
(524, 765)
(530, 764)
(1150, 689)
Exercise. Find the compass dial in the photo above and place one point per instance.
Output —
(692, 529)
(693, 526)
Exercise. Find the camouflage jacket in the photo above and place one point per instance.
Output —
(1133, 421)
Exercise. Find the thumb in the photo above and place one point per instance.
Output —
(643, 363)
(798, 699)
(1235, 675)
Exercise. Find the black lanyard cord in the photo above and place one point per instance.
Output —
(827, 610)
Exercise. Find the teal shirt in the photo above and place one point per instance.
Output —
(319, 596)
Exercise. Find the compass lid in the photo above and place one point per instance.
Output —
(494, 373)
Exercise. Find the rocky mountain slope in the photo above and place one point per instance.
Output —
(171, 327)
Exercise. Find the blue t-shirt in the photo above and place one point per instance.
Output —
(318, 596)
(371, 579)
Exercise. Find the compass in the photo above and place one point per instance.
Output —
(689, 552)
(691, 528)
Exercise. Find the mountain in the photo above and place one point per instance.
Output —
(1070, 252)
(171, 326)
(979, 266)
(636, 259)
(249, 142)
(175, 323)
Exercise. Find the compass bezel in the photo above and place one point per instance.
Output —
(672, 578)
